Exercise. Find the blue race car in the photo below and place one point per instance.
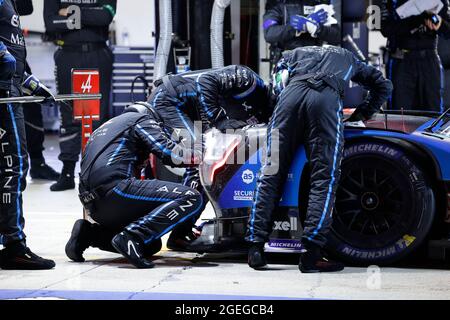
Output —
(394, 191)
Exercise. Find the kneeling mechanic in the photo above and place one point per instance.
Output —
(131, 214)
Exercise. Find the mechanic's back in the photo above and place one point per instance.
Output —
(118, 147)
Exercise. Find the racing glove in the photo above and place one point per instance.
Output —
(357, 116)
(32, 86)
(320, 17)
(7, 70)
(304, 25)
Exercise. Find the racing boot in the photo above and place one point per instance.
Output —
(153, 248)
(181, 240)
(17, 256)
(313, 261)
(66, 180)
(132, 249)
(79, 241)
(256, 257)
(41, 171)
(86, 234)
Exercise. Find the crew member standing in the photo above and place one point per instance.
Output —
(310, 85)
(83, 44)
(13, 146)
(414, 65)
(290, 24)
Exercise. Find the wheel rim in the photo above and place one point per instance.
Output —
(373, 203)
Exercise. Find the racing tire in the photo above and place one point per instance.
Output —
(385, 205)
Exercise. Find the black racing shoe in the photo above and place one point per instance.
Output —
(65, 182)
(313, 261)
(181, 242)
(42, 171)
(131, 249)
(19, 257)
(256, 257)
(79, 241)
(153, 248)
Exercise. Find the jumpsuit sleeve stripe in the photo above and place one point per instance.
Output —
(186, 125)
(333, 174)
(159, 145)
(153, 103)
(247, 92)
(179, 222)
(349, 72)
(19, 182)
(116, 152)
(202, 97)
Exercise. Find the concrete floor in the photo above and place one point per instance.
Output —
(50, 217)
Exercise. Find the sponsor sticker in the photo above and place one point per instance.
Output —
(248, 177)
(399, 246)
(285, 244)
(243, 195)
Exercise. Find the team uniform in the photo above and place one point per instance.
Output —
(309, 111)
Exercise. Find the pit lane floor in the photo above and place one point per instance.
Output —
(49, 219)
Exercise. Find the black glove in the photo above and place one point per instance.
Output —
(356, 116)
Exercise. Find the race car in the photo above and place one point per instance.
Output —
(394, 193)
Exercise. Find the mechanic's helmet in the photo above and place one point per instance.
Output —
(280, 77)
(140, 107)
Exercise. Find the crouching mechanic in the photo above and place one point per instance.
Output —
(134, 213)
(310, 82)
(226, 98)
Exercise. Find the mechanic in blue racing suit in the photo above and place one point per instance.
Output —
(310, 84)
(226, 98)
(134, 213)
(13, 147)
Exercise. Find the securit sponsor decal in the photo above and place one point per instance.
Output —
(400, 245)
(242, 195)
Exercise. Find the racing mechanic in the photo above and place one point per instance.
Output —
(13, 159)
(227, 98)
(310, 84)
(83, 46)
(138, 212)
(290, 24)
(414, 65)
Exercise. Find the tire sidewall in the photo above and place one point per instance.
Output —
(423, 208)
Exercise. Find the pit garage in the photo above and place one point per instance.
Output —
(87, 63)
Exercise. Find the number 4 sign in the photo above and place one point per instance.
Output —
(86, 81)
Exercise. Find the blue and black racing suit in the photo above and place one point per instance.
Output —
(309, 111)
(148, 209)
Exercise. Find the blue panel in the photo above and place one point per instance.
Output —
(239, 191)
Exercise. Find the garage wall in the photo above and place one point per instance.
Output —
(135, 18)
